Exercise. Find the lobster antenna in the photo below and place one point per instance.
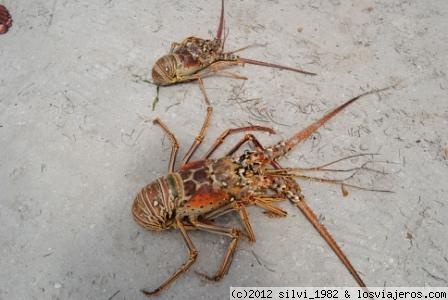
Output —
(281, 148)
(221, 22)
(271, 65)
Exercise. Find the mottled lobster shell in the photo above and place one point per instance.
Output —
(5, 19)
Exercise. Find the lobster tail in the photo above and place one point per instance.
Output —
(164, 70)
(283, 147)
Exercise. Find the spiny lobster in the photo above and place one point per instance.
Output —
(190, 197)
(195, 58)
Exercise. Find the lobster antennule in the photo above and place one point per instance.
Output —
(221, 22)
(266, 64)
(295, 173)
(283, 147)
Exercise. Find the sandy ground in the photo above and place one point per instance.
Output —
(77, 142)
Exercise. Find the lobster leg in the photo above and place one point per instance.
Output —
(242, 211)
(199, 138)
(231, 232)
(231, 131)
(202, 87)
(270, 209)
(193, 253)
(251, 138)
(265, 203)
(214, 69)
(174, 143)
(247, 138)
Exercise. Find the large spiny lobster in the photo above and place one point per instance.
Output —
(195, 58)
(190, 197)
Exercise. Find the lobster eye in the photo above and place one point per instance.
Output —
(164, 70)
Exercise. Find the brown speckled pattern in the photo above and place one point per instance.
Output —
(194, 178)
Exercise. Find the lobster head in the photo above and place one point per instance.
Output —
(152, 209)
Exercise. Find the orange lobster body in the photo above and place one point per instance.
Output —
(201, 187)
(203, 192)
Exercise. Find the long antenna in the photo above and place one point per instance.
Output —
(284, 147)
(221, 22)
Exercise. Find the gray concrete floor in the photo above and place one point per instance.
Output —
(77, 142)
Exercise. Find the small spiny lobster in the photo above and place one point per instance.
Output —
(195, 58)
(190, 197)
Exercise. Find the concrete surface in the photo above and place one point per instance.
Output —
(77, 142)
